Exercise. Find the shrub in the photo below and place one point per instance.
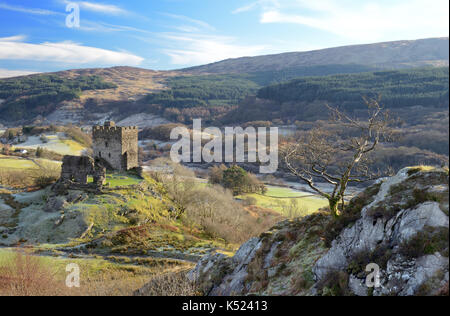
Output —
(419, 197)
(212, 208)
(170, 284)
(249, 201)
(78, 135)
(236, 179)
(427, 242)
(360, 260)
(46, 175)
(335, 283)
(24, 275)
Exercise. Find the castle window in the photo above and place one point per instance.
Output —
(106, 144)
(100, 154)
(109, 155)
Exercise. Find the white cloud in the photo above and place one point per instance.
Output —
(87, 25)
(362, 20)
(98, 7)
(194, 49)
(102, 8)
(195, 43)
(245, 8)
(15, 38)
(6, 73)
(65, 52)
(198, 23)
(21, 9)
(263, 4)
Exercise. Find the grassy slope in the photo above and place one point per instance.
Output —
(136, 218)
(279, 199)
(10, 162)
(56, 143)
(104, 275)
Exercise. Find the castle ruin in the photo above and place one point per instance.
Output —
(116, 145)
(75, 171)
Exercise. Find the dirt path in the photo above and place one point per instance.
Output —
(67, 254)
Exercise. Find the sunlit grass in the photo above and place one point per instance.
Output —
(11, 163)
(123, 179)
(119, 179)
(280, 200)
(102, 276)
(54, 143)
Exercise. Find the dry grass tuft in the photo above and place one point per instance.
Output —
(171, 284)
(23, 275)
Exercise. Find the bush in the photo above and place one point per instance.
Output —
(335, 284)
(170, 284)
(236, 179)
(46, 175)
(249, 201)
(24, 275)
(76, 134)
(427, 242)
(211, 208)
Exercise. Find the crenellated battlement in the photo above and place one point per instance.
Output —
(116, 144)
(113, 128)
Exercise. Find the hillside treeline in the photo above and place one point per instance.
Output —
(29, 96)
(426, 87)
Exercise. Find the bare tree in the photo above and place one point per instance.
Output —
(324, 154)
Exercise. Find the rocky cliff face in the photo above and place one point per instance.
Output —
(399, 225)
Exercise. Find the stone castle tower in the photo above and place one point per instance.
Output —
(116, 145)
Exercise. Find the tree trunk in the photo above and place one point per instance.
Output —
(334, 203)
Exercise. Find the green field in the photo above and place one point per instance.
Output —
(12, 163)
(56, 143)
(109, 275)
(120, 179)
(20, 163)
(289, 202)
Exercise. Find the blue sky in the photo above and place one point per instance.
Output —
(171, 34)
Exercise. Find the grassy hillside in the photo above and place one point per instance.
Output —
(26, 97)
(90, 91)
(304, 98)
(46, 274)
(399, 54)
(427, 87)
(289, 203)
(212, 96)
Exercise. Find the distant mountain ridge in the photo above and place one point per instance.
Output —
(387, 55)
(208, 91)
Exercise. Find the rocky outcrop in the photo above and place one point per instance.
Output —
(401, 231)
(406, 205)
(233, 282)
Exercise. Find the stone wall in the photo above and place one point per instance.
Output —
(107, 145)
(75, 171)
(130, 147)
(117, 145)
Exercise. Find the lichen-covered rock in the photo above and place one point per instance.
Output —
(278, 263)
(402, 228)
(405, 206)
(55, 204)
(235, 282)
